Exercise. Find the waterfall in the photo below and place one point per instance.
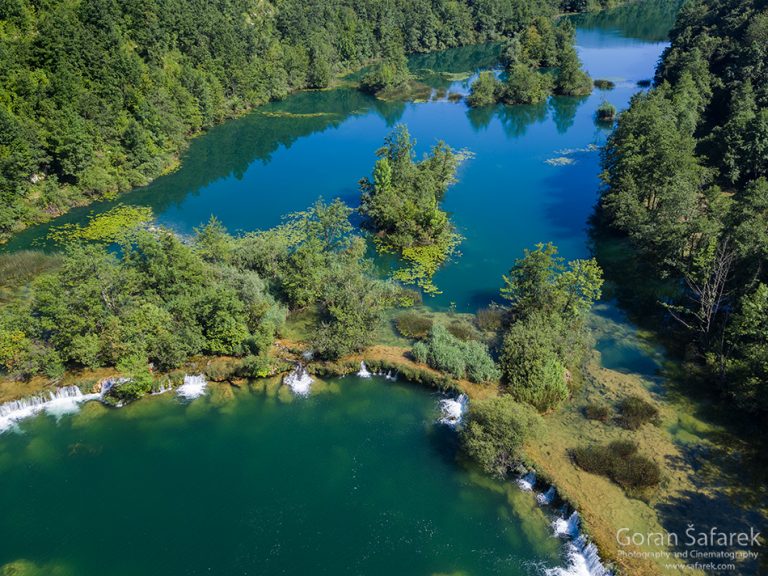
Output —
(390, 376)
(452, 410)
(193, 387)
(583, 557)
(583, 560)
(298, 380)
(363, 372)
(567, 527)
(527, 481)
(546, 498)
(58, 402)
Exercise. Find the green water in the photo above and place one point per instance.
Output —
(357, 480)
(360, 481)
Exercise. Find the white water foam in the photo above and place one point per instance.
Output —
(567, 527)
(583, 560)
(452, 410)
(61, 401)
(193, 387)
(363, 372)
(527, 481)
(583, 557)
(546, 498)
(298, 380)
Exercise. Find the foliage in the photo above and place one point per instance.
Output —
(444, 352)
(402, 205)
(604, 84)
(606, 112)
(635, 412)
(484, 91)
(541, 282)
(524, 85)
(495, 430)
(619, 461)
(533, 370)
(549, 302)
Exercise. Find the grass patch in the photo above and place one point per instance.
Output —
(635, 412)
(620, 462)
(413, 325)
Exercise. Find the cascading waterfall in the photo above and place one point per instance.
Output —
(583, 557)
(298, 380)
(527, 481)
(452, 410)
(568, 527)
(58, 402)
(546, 498)
(363, 372)
(193, 387)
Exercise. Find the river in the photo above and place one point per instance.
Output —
(358, 478)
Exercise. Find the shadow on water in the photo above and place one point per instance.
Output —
(230, 148)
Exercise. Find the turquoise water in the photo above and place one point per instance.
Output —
(357, 480)
(280, 159)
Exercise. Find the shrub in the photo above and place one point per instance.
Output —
(605, 84)
(495, 431)
(490, 319)
(635, 412)
(526, 86)
(444, 352)
(620, 462)
(484, 91)
(420, 352)
(222, 370)
(413, 325)
(462, 330)
(599, 412)
(643, 83)
(606, 112)
(531, 366)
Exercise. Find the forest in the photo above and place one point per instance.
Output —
(685, 182)
(99, 97)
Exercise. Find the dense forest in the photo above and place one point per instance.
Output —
(685, 180)
(98, 97)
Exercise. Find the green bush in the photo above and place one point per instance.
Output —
(605, 84)
(620, 462)
(413, 325)
(444, 352)
(525, 85)
(484, 91)
(532, 369)
(606, 112)
(462, 330)
(490, 319)
(635, 412)
(495, 430)
(599, 412)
